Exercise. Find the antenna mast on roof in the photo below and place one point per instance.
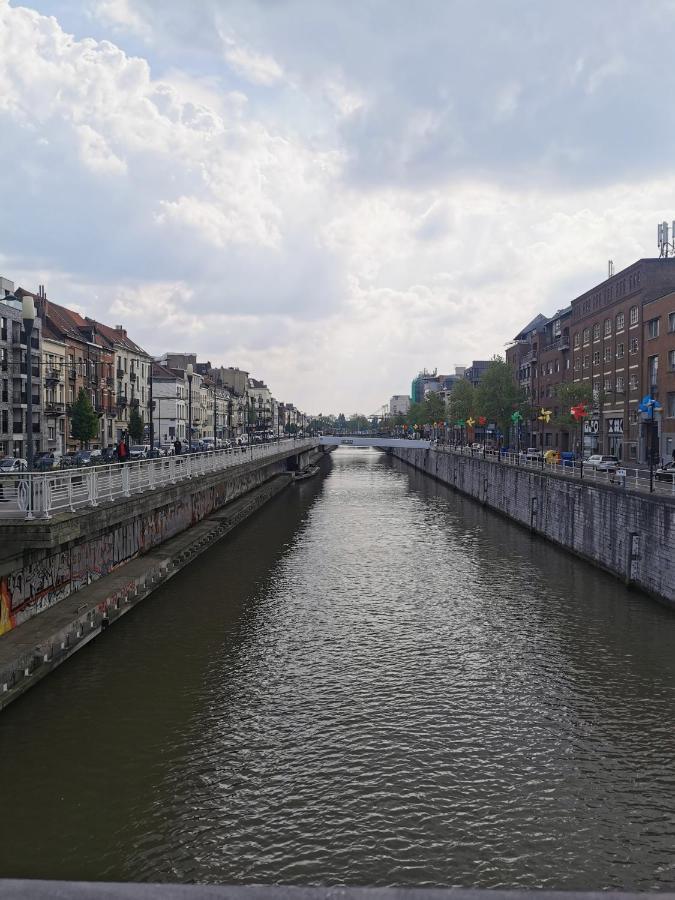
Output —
(665, 241)
(610, 268)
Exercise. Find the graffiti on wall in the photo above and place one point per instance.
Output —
(34, 588)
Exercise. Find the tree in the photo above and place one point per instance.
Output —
(498, 396)
(83, 419)
(569, 395)
(462, 401)
(136, 425)
(430, 410)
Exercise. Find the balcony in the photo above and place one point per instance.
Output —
(110, 382)
(121, 401)
(120, 374)
(529, 358)
(55, 409)
(52, 377)
(72, 374)
(561, 343)
(132, 377)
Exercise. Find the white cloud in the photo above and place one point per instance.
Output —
(332, 211)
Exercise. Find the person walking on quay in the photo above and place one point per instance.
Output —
(177, 447)
(122, 450)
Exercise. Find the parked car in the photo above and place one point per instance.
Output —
(82, 458)
(167, 449)
(532, 454)
(49, 459)
(138, 451)
(96, 457)
(666, 473)
(602, 463)
(109, 455)
(69, 459)
(12, 464)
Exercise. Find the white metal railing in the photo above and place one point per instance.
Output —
(30, 495)
(635, 479)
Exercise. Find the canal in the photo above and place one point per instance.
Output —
(373, 681)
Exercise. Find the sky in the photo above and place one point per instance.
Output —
(336, 194)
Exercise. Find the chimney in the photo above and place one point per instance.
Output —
(121, 330)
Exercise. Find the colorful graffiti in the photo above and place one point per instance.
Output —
(34, 588)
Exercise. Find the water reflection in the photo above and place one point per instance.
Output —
(373, 681)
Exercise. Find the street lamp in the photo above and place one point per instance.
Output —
(28, 314)
(190, 372)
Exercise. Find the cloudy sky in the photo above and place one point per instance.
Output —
(331, 193)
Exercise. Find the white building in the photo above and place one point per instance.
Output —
(169, 394)
(399, 405)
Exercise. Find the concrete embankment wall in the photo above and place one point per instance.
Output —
(43, 562)
(125, 551)
(628, 534)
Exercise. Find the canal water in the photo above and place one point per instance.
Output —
(373, 681)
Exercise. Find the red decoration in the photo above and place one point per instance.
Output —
(482, 420)
(579, 412)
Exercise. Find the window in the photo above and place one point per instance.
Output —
(634, 382)
(567, 364)
(619, 321)
(671, 360)
(577, 339)
(596, 358)
(608, 354)
(671, 321)
(633, 345)
(620, 384)
(634, 315)
(587, 361)
(608, 327)
(619, 351)
(596, 331)
(556, 328)
(670, 405)
(653, 328)
(577, 364)
(587, 335)
(607, 384)
(653, 369)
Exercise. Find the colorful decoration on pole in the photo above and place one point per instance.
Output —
(471, 421)
(579, 412)
(516, 418)
(482, 420)
(545, 415)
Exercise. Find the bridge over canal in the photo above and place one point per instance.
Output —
(333, 440)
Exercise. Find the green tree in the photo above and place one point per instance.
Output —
(462, 401)
(498, 396)
(136, 425)
(83, 419)
(569, 395)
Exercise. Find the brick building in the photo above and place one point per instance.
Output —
(604, 340)
(658, 376)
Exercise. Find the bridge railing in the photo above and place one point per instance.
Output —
(30, 495)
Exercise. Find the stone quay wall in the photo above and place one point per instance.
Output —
(628, 534)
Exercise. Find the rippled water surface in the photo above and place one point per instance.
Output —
(373, 681)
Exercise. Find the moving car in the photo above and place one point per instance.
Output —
(49, 459)
(666, 473)
(602, 463)
(12, 464)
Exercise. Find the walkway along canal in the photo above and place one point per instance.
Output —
(374, 680)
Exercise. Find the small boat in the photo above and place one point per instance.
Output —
(306, 473)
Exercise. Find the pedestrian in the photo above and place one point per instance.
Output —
(177, 447)
(122, 452)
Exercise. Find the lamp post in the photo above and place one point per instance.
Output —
(151, 407)
(28, 315)
(215, 417)
(189, 372)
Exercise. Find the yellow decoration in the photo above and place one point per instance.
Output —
(545, 415)
(470, 421)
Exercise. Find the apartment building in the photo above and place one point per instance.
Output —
(15, 357)
(604, 340)
(657, 435)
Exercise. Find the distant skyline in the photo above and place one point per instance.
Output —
(332, 195)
